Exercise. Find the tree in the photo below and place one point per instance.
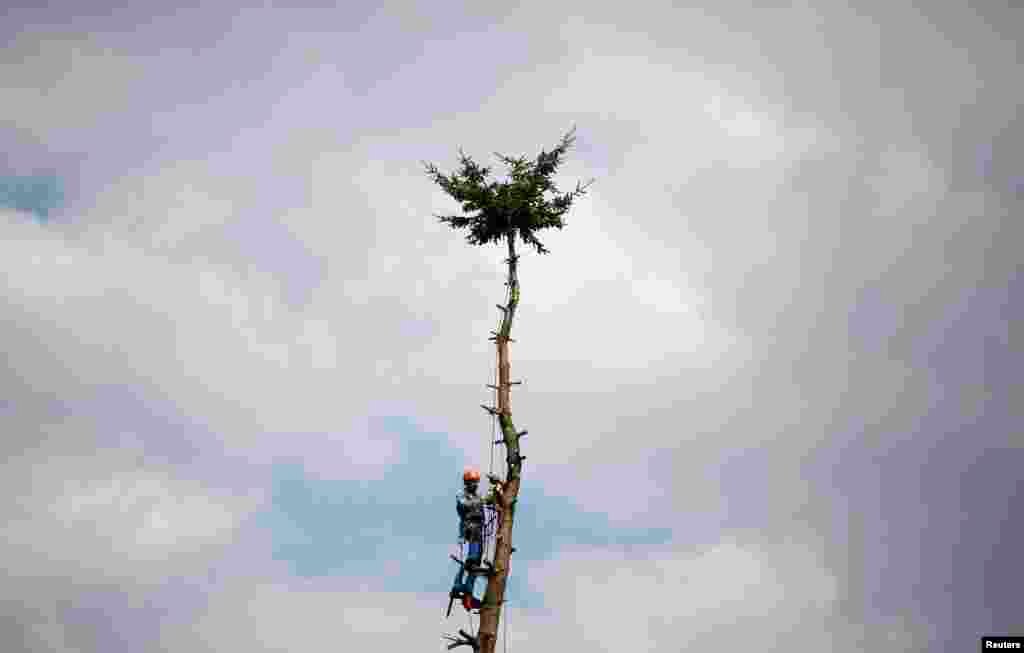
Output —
(500, 211)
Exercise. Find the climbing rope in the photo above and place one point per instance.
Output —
(488, 526)
(490, 523)
(496, 375)
(492, 436)
(497, 438)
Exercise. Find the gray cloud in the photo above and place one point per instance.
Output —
(788, 305)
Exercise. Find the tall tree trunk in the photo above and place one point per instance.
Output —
(490, 610)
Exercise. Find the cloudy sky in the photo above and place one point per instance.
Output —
(771, 367)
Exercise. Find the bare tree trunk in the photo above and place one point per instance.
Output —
(490, 610)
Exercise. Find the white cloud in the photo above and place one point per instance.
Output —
(114, 309)
(158, 514)
(108, 516)
(257, 616)
(735, 594)
(693, 115)
(214, 337)
(170, 210)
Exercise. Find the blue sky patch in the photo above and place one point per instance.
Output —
(402, 529)
(36, 194)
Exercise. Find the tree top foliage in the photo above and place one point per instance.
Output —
(518, 205)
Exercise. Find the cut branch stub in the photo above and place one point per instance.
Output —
(494, 387)
(520, 435)
(464, 639)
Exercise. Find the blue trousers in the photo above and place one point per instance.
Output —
(464, 580)
(474, 552)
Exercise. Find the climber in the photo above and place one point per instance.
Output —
(470, 507)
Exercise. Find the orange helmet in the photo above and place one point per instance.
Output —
(471, 475)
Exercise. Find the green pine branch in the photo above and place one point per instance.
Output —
(519, 205)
